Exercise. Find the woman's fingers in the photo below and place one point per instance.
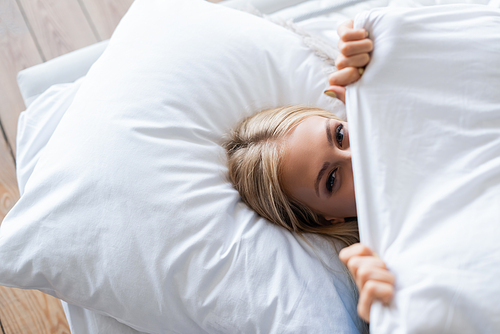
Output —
(365, 274)
(345, 26)
(355, 47)
(347, 33)
(344, 77)
(353, 35)
(373, 279)
(368, 262)
(360, 60)
(371, 291)
(354, 250)
(338, 80)
(336, 92)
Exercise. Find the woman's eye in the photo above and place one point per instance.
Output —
(330, 181)
(339, 134)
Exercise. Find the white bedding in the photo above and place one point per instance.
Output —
(35, 127)
(127, 211)
(35, 132)
(425, 139)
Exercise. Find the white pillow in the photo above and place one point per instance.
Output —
(37, 124)
(425, 136)
(128, 212)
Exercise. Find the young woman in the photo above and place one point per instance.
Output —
(292, 165)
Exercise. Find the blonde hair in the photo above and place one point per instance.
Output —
(255, 154)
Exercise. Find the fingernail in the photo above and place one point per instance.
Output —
(330, 93)
(361, 70)
(367, 34)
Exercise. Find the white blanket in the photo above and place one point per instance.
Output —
(425, 136)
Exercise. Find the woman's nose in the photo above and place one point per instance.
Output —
(345, 155)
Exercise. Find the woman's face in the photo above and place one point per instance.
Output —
(317, 169)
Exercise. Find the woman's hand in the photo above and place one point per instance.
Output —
(354, 46)
(373, 279)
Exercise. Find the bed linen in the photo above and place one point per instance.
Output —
(67, 68)
(131, 185)
(426, 161)
(34, 133)
(35, 128)
(38, 122)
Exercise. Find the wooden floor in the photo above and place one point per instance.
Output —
(32, 32)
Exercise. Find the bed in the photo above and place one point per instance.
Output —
(50, 89)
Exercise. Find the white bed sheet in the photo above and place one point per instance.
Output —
(40, 120)
(425, 139)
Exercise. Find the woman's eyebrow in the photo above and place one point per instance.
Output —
(328, 131)
(320, 175)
